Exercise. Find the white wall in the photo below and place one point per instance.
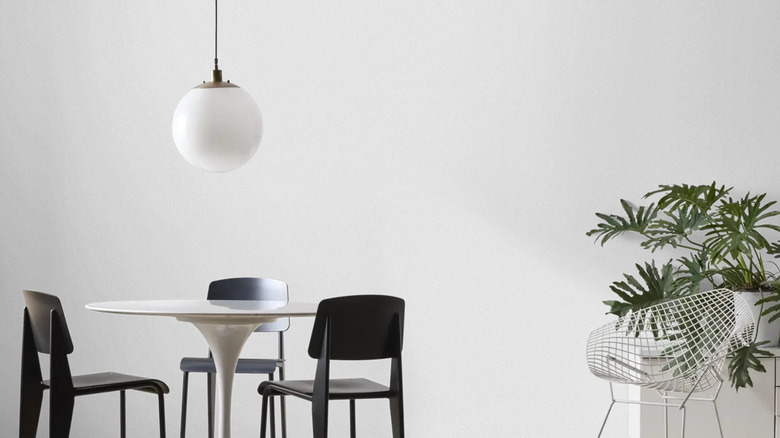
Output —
(451, 153)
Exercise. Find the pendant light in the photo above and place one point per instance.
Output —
(217, 125)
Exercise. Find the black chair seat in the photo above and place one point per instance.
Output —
(245, 366)
(340, 389)
(109, 382)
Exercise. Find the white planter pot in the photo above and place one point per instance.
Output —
(766, 331)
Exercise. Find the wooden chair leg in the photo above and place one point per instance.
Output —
(185, 385)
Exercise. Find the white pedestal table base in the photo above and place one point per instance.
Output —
(225, 341)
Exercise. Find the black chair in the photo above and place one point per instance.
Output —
(46, 331)
(362, 327)
(264, 289)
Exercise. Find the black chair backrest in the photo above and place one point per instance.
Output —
(362, 327)
(249, 289)
(40, 307)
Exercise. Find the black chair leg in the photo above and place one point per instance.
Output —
(31, 392)
(60, 416)
(352, 428)
(30, 411)
(210, 403)
(319, 420)
(184, 385)
(122, 414)
(283, 404)
(263, 416)
(283, 398)
(397, 416)
(272, 414)
(161, 403)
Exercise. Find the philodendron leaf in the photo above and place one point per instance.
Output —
(744, 360)
(693, 271)
(656, 286)
(701, 197)
(737, 227)
(774, 249)
(672, 231)
(771, 302)
(614, 225)
(618, 308)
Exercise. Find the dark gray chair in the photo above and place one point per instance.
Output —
(45, 331)
(263, 289)
(362, 327)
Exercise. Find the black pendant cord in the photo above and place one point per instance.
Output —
(216, 74)
(216, 14)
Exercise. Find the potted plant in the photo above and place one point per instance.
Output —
(722, 239)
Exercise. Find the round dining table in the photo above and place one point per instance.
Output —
(225, 324)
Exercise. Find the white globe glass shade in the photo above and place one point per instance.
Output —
(217, 129)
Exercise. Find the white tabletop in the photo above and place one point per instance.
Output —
(206, 308)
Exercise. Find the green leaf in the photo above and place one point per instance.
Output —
(614, 225)
(675, 229)
(618, 308)
(740, 277)
(744, 360)
(693, 270)
(774, 249)
(678, 196)
(656, 286)
(771, 303)
(698, 339)
(736, 227)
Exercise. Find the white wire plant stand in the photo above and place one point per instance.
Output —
(690, 337)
